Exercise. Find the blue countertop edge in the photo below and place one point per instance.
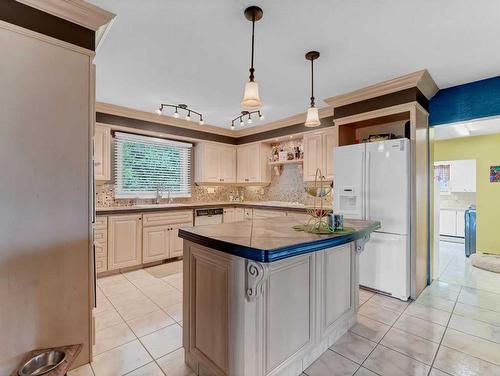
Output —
(270, 255)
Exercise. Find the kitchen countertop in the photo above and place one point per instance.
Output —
(278, 205)
(272, 239)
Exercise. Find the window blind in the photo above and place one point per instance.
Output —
(144, 165)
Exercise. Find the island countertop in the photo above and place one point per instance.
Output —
(272, 239)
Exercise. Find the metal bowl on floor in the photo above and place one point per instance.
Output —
(42, 363)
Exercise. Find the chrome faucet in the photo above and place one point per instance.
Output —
(170, 200)
(158, 193)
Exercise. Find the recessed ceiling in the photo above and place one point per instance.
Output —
(198, 52)
(470, 128)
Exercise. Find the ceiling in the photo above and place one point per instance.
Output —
(198, 52)
(466, 129)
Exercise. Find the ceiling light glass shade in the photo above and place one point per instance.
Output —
(202, 122)
(312, 119)
(261, 117)
(158, 112)
(176, 114)
(188, 118)
(251, 99)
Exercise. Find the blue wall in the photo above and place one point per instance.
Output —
(466, 102)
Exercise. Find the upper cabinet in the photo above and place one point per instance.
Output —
(215, 163)
(463, 176)
(318, 153)
(102, 153)
(252, 164)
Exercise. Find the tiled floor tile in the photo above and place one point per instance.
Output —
(364, 372)
(158, 289)
(119, 289)
(167, 299)
(121, 360)
(332, 364)
(173, 364)
(111, 280)
(475, 328)
(111, 337)
(444, 290)
(475, 346)
(370, 329)
(124, 300)
(106, 319)
(476, 313)
(103, 305)
(436, 372)
(174, 311)
(150, 369)
(459, 364)
(364, 295)
(133, 310)
(388, 302)
(425, 329)
(429, 314)
(378, 313)
(150, 323)
(436, 302)
(353, 347)
(480, 298)
(84, 370)
(387, 362)
(163, 341)
(411, 345)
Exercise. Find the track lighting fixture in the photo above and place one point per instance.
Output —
(178, 107)
(248, 116)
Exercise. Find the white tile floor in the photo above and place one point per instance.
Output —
(452, 329)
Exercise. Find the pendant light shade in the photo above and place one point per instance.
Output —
(312, 119)
(251, 99)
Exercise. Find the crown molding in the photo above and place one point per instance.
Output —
(77, 11)
(420, 79)
(113, 109)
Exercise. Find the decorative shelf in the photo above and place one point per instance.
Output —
(292, 161)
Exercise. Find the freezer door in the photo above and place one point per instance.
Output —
(387, 184)
(348, 177)
(384, 265)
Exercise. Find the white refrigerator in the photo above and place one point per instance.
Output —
(371, 181)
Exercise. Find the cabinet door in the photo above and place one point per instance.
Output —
(155, 243)
(254, 162)
(460, 223)
(124, 241)
(176, 243)
(242, 164)
(228, 216)
(239, 214)
(329, 142)
(463, 176)
(448, 222)
(227, 161)
(211, 163)
(102, 153)
(313, 159)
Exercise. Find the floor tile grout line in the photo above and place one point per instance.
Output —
(445, 330)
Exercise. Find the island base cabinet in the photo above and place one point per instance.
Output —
(243, 317)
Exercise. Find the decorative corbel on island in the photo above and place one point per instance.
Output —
(262, 299)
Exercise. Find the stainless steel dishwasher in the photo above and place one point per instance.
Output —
(208, 216)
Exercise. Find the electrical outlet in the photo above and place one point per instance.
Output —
(210, 190)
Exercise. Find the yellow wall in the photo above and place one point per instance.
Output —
(486, 151)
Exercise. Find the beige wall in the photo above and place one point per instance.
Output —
(44, 194)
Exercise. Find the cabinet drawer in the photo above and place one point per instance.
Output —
(166, 218)
(101, 223)
(101, 264)
(101, 235)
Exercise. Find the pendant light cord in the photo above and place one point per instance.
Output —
(253, 37)
(312, 83)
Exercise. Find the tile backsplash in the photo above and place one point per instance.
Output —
(457, 200)
(287, 187)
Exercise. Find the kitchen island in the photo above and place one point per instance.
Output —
(261, 298)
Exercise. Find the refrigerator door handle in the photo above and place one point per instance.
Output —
(362, 196)
(367, 186)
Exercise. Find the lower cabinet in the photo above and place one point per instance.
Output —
(266, 213)
(239, 214)
(228, 216)
(452, 222)
(155, 243)
(124, 241)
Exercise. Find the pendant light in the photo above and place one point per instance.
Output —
(312, 119)
(251, 99)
